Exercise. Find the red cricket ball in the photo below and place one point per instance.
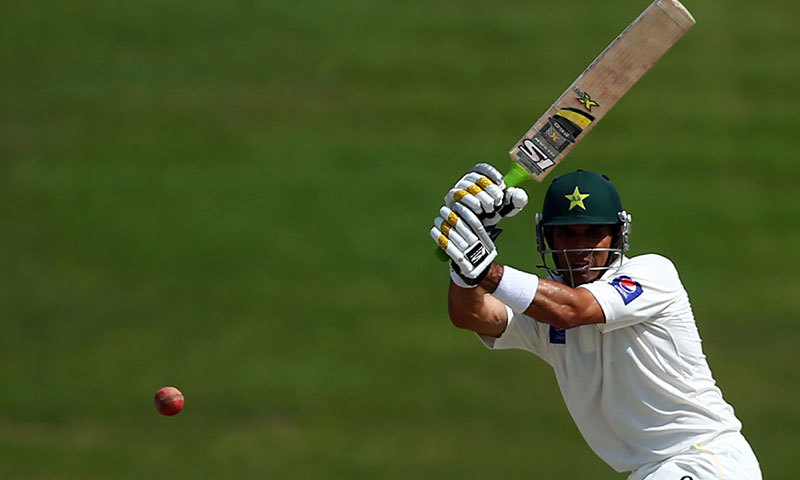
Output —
(169, 401)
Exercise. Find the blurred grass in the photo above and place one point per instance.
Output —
(234, 197)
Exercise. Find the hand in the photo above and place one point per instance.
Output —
(484, 192)
(464, 239)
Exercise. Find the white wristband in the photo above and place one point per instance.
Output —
(458, 280)
(516, 289)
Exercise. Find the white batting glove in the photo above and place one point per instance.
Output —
(464, 239)
(484, 192)
(514, 201)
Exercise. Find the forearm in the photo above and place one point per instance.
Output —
(472, 309)
(564, 307)
(551, 302)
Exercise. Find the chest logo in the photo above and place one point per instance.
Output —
(558, 335)
(627, 288)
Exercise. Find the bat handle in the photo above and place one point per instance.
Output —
(513, 178)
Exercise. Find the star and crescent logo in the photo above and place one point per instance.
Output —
(576, 199)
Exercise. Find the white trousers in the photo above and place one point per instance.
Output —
(726, 457)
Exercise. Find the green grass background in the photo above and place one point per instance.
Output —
(234, 198)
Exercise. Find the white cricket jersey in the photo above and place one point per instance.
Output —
(638, 386)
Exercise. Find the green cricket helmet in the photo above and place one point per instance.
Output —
(581, 198)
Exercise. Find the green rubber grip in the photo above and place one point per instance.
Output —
(513, 178)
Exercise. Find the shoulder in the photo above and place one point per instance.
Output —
(650, 267)
(650, 261)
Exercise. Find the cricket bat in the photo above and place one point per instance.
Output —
(597, 89)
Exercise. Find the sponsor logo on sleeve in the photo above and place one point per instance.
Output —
(627, 288)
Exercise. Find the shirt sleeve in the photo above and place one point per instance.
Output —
(522, 333)
(640, 290)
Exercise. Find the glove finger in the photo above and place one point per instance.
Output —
(485, 183)
(445, 244)
(451, 250)
(514, 201)
(462, 228)
(463, 196)
(451, 233)
(491, 172)
(474, 224)
(466, 188)
(517, 197)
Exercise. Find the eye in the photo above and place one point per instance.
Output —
(597, 232)
(565, 233)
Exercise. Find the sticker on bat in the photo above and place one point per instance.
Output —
(529, 156)
(585, 99)
(539, 152)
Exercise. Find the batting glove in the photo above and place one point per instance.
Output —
(484, 192)
(465, 240)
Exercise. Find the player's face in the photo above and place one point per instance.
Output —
(582, 238)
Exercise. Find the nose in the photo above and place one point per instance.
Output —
(581, 257)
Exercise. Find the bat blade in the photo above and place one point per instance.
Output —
(597, 89)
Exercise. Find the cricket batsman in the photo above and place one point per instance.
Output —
(619, 332)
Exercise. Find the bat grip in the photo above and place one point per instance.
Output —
(513, 178)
